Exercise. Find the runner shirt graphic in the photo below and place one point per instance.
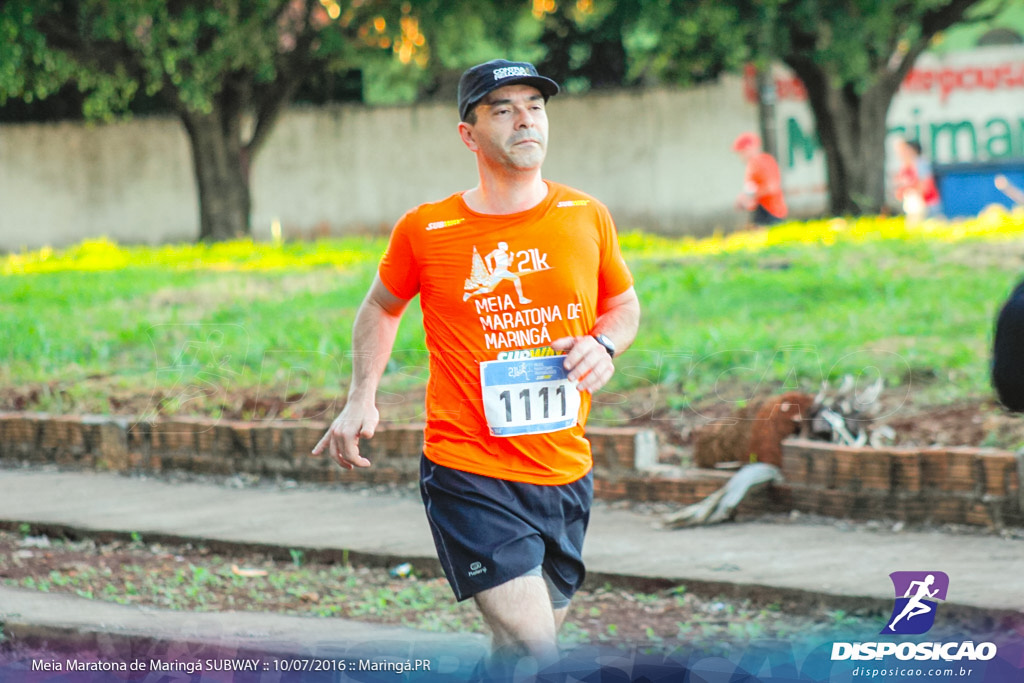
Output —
(490, 285)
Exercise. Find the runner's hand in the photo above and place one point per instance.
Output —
(587, 362)
(342, 438)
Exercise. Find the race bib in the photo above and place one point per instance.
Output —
(531, 396)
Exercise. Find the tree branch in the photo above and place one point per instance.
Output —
(291, 69)
(105, 56)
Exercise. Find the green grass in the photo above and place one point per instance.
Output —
(723, 319)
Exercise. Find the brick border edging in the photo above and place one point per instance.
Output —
(972, 486)
(943, 485)
(625, 458)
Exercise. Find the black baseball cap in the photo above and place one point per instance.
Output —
(481, 79)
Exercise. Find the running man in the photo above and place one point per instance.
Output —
(498, 262)
(915, 606)
(506, 472)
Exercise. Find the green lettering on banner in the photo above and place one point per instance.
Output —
(795, 137)
(1004, 138)
(954, 129)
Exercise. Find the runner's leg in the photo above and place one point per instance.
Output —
(520, 617)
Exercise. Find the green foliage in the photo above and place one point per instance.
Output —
(854, 42)
(721, 323)
(189, 52)
(683, 42)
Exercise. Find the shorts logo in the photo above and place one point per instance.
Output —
(477, 568)
(917, 595)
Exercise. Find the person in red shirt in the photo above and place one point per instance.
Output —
(915, 186)
(526, 299)
(762, 183)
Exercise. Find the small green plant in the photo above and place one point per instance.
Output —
(297, 556)
(840, 618)
(25, 529)
(572, 634)
(647, 598)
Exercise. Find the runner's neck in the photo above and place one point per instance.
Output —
(502, 196)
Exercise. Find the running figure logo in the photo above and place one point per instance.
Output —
(917, 594)
(489, 271)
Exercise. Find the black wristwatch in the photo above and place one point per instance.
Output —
(607, 343)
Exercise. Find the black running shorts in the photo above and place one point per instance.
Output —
(488, 531)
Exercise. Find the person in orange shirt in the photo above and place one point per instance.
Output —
(526, 299)
(762, 183)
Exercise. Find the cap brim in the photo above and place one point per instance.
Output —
(545, 85)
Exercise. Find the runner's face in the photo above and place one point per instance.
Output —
(512, 127)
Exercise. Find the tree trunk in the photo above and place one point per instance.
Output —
(851, 122)
(852, 130)
(869, 190)
(222, 173)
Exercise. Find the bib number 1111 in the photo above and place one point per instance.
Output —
(531, 396)
(526, 395)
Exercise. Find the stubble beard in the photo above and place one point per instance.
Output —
(526, 157)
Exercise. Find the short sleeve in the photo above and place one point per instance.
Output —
(398, 269)
(614, 276)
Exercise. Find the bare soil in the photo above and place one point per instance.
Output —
(195, 578)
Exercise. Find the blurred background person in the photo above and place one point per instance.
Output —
(915, 183)
(762, 183)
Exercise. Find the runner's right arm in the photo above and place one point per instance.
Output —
(373, 337)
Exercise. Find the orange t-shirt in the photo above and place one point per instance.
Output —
(763, 174)
(491, 286)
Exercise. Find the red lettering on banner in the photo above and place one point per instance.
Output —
(945, 80)
(750, 83)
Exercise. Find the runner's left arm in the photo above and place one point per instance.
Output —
(587, 361)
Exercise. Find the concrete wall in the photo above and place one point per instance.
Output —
(659, 158)
(62, 183)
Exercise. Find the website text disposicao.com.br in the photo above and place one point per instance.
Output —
(950, 659)
(911, 672)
